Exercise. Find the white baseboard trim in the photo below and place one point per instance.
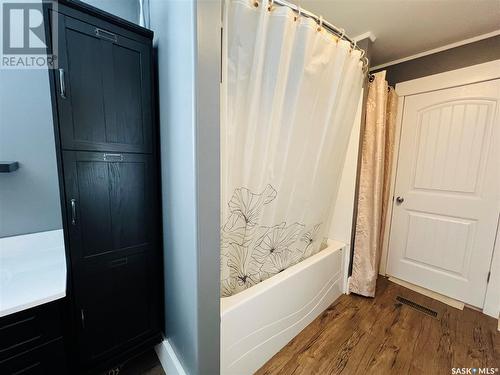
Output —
(168, 359)
(345, 268)
(429, 293)
(347, 291)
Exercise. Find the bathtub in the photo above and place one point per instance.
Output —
(258, 322)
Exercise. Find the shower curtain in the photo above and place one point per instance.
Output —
(374, 185)
(290, 92)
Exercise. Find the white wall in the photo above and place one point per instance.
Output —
(340, 228)
(341, 222)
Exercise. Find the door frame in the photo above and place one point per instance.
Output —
(453, 78)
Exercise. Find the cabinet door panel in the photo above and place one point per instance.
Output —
(128, 202)
(85, 87)
(126, 127)
(115, 303)
(93, 217)
(107, 104)
(113, 248)
(112, 202)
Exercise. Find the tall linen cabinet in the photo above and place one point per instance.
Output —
(104, 115)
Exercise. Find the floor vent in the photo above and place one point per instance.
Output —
(416, 306)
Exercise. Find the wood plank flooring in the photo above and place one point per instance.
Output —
(358, 335)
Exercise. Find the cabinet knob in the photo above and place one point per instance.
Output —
(400, 200)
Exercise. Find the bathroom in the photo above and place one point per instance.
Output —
(249, 186)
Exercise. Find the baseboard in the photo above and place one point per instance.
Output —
(429, 293)
(168, 359)
(346, 252)
(348, 283)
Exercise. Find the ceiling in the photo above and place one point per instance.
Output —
(406, 27)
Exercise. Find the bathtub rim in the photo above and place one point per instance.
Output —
(227, 304)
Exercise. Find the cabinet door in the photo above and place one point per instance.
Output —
(113, 248)
(104, 98)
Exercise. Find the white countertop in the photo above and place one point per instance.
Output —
(32, 270)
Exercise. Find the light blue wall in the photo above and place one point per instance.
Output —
(29, 197)
(173, 24)
(187, 35)
(126, 9)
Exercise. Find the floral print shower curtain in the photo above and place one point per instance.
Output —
(290, 93)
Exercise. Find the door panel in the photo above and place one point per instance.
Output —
(116, 303)
(442, 235)
(107, 105)
(112, 199)
(85, 81)
(93, 218)
(112, 248)
(128, 201)
(126, 127)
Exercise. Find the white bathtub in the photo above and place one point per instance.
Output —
(258, 322)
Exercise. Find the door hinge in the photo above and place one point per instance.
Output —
(82, 316)
(488, 278)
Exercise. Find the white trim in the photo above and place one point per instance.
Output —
(459, 305)
(439, 49)
(459, 77)
(168, 359)
(388, 219)
(491, 305)
(367, 35)
(453, 78)
(346, 254)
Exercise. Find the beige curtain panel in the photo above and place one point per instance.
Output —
(374, 184)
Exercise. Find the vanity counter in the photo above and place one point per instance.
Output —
(32, 270)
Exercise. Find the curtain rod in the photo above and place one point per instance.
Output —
(339, 32)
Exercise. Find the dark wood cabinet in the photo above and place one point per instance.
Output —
(31, 341)
(104, 81)
(48, 359)
(102, 94)
(113, 248)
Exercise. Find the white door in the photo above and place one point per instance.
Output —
(448, 183)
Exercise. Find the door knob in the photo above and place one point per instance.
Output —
(400, 200)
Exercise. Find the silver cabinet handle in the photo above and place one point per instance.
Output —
(400, 200)
(73, 211)
(105, 34)
(62, 83)
(113, 157)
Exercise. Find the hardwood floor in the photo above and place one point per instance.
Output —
(359, 335)
(146, 363)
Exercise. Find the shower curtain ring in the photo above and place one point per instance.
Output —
(352, 46)
(271, 4)
(256, 3)
(299, 11)
(342, 34)
(366, 64)
(320, 23)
